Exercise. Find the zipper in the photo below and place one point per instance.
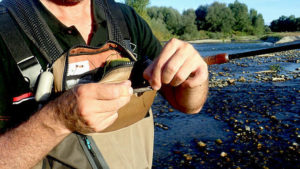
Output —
(92, 153)
(121, 65)
(64, 82)
(88, 144)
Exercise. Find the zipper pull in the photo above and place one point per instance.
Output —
(45, 85)
(88, 144)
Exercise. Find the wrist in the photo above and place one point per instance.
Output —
(49, 120)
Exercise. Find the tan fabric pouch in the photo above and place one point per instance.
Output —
(110, 63)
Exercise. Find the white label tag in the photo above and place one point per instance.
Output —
(78, 68)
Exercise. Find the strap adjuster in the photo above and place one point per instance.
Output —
(30, 69)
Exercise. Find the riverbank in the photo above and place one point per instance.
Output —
(272, 38)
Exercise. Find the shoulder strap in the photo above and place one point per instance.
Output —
(115, 21)
(27, 63)
(30, 20)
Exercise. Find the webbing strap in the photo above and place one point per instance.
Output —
(37, 30)
(115, 21)
(119, 18)
(27, 63)
(12, 37)
(118, 21)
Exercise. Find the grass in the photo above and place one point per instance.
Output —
(279, 35)
(276, 68)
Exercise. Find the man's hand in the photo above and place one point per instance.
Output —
(179, 65)
(92, 107)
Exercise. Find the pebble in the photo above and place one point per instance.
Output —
(188, 157)
(201, 144)
(219, 141)
(261, 128)
(231, 81)
(278, 79)
(247, 128)
(223, 154)
(259, 146)
(242, 79)
(273, 118)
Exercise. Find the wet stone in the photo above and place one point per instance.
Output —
(188, 157)
(242, 79)
(223, 154)
(219, 141)
(201, 144)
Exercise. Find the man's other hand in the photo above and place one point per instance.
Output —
(92, 107)
(179, 63)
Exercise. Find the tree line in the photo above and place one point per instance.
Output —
(286, 24)
(217, 20)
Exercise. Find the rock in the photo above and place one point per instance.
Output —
(259, 146)
(231, 81)
(273, 118)
(161, 126)
(277, 79)
(226, 69)
(219, 141)
(223, 154)
(201, 144)
(295, 144)
(188, 157)
(266, 72)
(242, 79)
(247, 128)
(261, 128)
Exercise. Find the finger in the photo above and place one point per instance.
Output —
(176, 61)
(198, 77)
(101, 121)
(168, 51)
(90, 107)
(104, 91)
(185, 71)
(108, 121)
(147, 74)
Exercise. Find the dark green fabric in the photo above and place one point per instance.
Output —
(11, 80)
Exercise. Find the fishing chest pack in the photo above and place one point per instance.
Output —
(128, 142)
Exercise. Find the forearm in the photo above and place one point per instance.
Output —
(185, 99)
(26, 145)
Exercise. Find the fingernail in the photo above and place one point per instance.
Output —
(155, 87)
(130, 90)
(127, 82)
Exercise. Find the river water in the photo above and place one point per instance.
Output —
(256, 119)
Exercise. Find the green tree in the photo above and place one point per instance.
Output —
(139, 6)
(298, 24)
(189, 27)
(285, 23)
(257, 22)
(170, 16)
(240, 13)
(201, 13)
(220, 18)
(160, 30)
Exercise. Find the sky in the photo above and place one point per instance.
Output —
(270, 9)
